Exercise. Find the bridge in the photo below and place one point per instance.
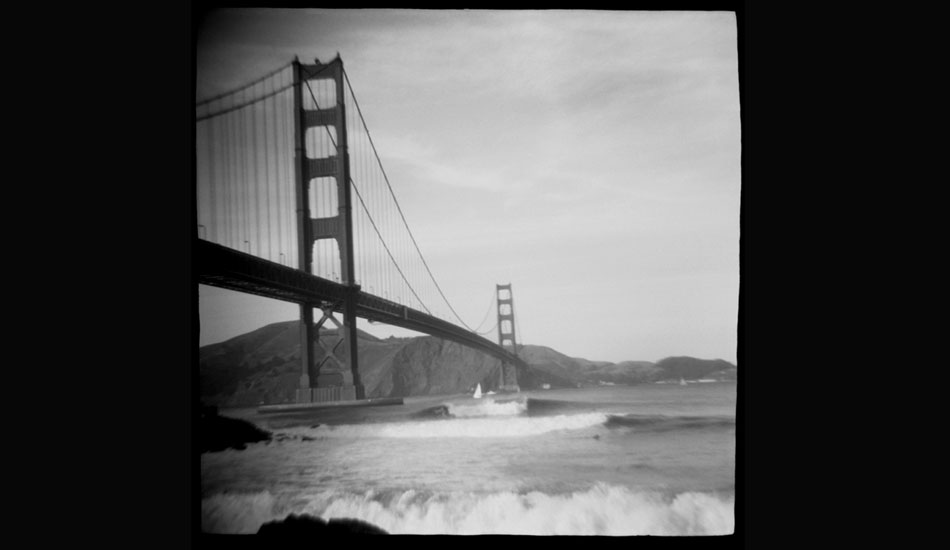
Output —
(278, 163)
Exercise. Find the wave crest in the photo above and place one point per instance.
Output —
(486, 408)
(485, 427)
(487, 420)
(601, 510)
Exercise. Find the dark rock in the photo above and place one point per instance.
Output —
(304, 525)
(218, 433)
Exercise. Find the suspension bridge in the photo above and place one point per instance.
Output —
(293, 203)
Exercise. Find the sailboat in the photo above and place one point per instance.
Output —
(478, 392)
(682, 382)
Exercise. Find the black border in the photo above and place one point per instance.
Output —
(173, 294)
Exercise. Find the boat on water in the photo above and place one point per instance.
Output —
(682, 382)
(478, 392)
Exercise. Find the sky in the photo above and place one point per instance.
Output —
(589, 158)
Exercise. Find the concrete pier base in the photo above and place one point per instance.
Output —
(284, 408)
(328, 394)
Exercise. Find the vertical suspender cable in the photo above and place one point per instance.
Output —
(212, 218)
(229, 187)
(225, 179)
(358, 250)
(242, 186)
(279, 198)
(277, 182)
(287, 245)
(267, 184)
(255, 186)
(244, 177)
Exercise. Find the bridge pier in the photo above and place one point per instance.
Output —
(308, 370)
(330, 379)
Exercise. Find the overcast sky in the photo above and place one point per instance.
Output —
(589, 158)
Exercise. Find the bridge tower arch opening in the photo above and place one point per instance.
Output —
(336, 377)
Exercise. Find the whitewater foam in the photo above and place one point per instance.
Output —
(601, 510)
(486, 408)
(491, 426)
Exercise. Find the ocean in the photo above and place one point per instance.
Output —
(656, 459)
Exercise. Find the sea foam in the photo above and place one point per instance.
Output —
(487, 407)
(492, 426)
(601, 510)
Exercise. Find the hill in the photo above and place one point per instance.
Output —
(263, 366)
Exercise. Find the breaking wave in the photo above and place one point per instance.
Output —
(487, 408)
(601, 510)
(515, 407)
(502, 420)
(496, 425)
(439, 411)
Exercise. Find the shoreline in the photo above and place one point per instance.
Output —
(292, 407)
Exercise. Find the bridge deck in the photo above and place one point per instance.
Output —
(224, 267)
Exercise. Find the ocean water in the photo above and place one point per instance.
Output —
(615, 460)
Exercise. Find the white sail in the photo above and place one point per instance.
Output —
(478, 392)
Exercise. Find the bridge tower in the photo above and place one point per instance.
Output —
(316, 382)
(506, 334)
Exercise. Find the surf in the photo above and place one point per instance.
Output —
(476, 427)
(486, 407)
(600, 510)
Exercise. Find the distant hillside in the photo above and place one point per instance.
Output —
(264, 366)
(562, 371)
(691, 368)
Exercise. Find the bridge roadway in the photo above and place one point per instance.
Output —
(224, 267)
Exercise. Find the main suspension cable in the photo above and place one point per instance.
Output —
(401, 215)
